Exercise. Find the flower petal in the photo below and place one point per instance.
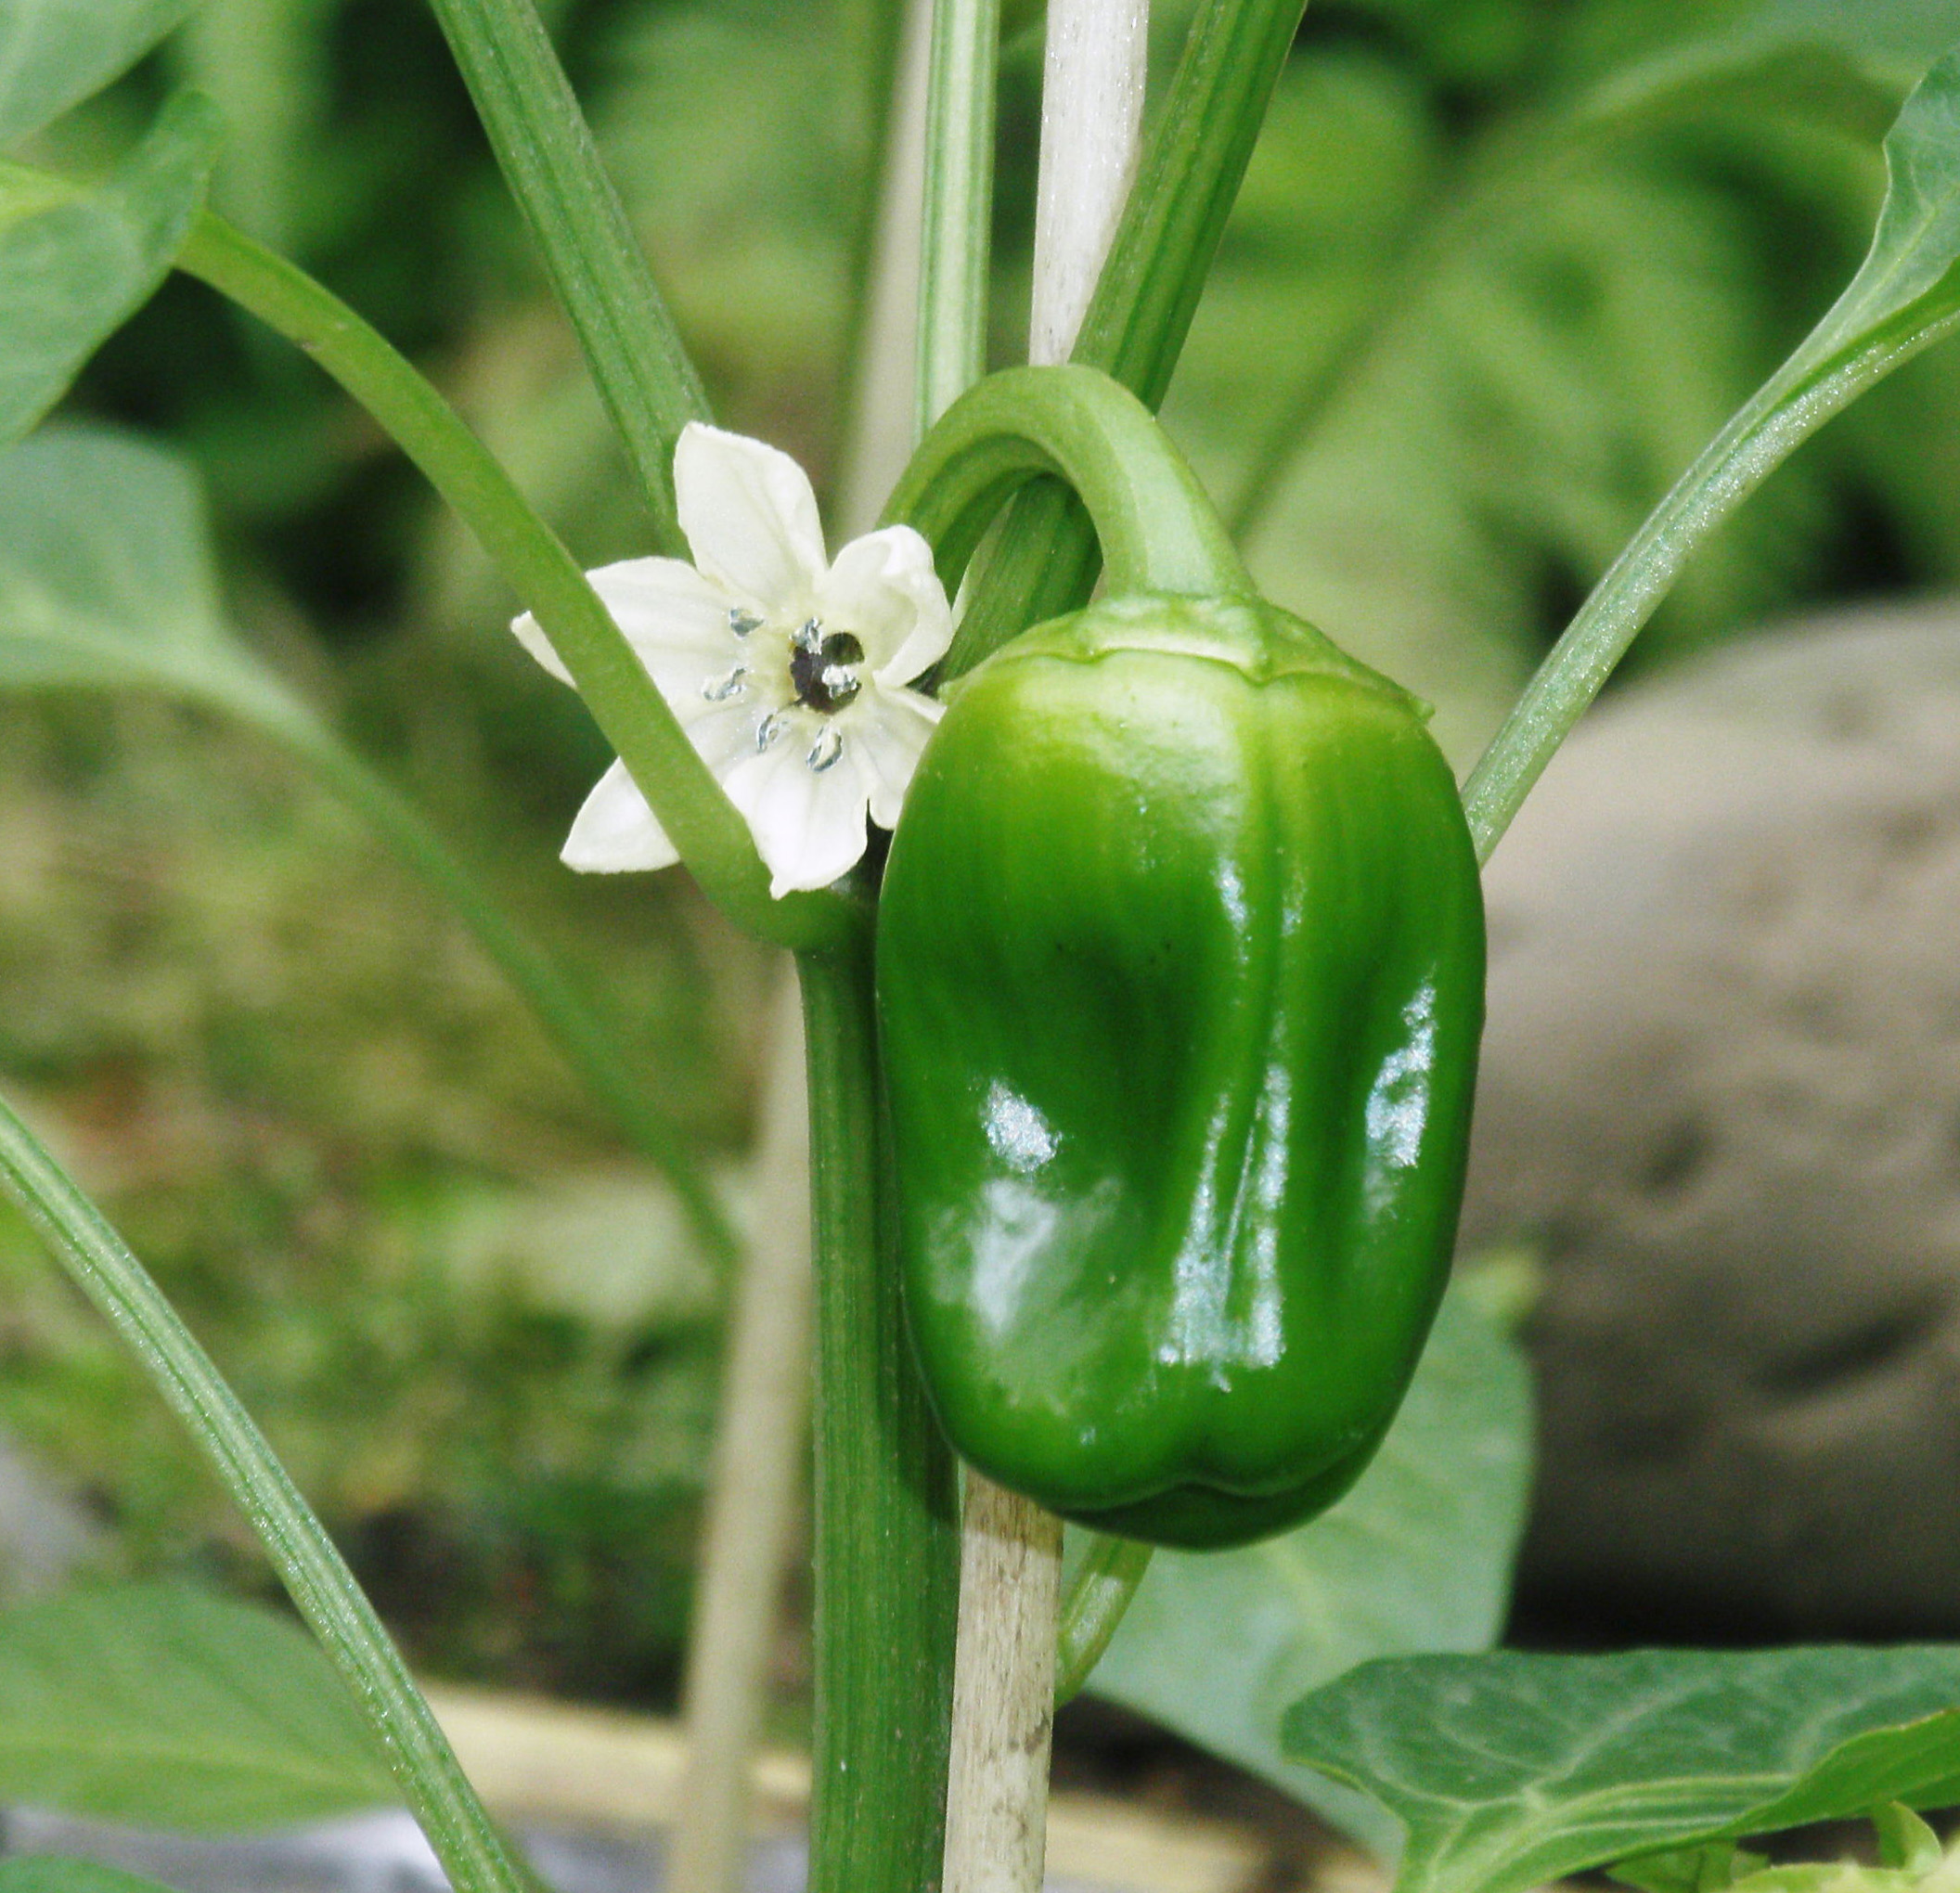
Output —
(616, 831)
(676, 620)
(531, 635)
(883, 745)
(885, 590)
(808, 824)
(750, 518)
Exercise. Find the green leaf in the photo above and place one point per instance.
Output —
(168, 1708)
(1510, 1770)
(55, 53)
(106, 575)
(1904, 297)
(54, 1874)
(1905, 1841)
(1417, 1557)
(376, 1681)
(71, 274)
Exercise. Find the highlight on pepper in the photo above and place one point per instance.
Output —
(787, 669)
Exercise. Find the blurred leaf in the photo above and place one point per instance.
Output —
(167, 1708)
(1904, 297)
(1510, 1770)
(1844, 65)
(54, 1874)
(1417, 1557)
(71, 274)
(104, 565)
(55, 53)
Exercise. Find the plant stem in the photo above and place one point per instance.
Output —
(464, 1839)
(713, 839)
(1804, 393)
(753, 1482)
(583, 1039)
(959, 203)
(1095, 1606)
(1003, 1692)
(544, 147)
(885, 1538)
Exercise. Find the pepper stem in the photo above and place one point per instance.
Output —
(1159, 531)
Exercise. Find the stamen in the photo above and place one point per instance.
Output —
(821, 673)
(741, 623)
(730, 686)
(827, 749)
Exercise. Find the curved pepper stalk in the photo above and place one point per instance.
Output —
(1180, 963)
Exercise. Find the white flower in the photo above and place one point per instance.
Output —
(786, 670)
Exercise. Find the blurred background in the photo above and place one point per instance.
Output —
(1436, 381)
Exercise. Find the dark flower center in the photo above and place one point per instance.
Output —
(820, 667)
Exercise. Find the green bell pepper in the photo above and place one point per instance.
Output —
(1180, 969)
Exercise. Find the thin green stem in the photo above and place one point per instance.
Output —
(1790, 407)
(587, 1045)
(1099, 1594)
(1157, 530)
(959, 203)
(703, 825)
(1044, 561)
(886, 1536)
(546, 151)
(464, 1838)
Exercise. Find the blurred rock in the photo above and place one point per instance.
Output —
(1721, 1094)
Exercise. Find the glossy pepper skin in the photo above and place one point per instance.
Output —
(1180, 974)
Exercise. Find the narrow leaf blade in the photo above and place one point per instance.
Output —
(169, 1708)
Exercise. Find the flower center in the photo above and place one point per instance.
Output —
(820, 667)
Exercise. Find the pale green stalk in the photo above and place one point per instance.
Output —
(548, 157)
(464, 1839)
(959, 203)
(1790, 407)
(712, 837)
(1101, 1593)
